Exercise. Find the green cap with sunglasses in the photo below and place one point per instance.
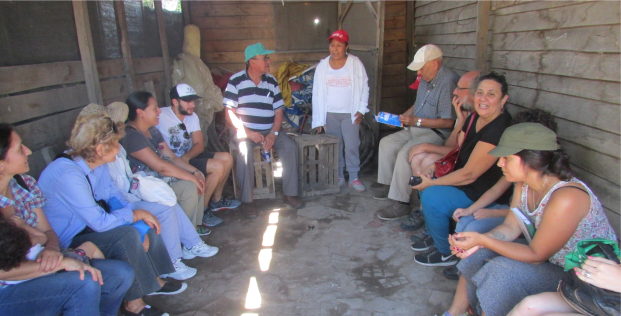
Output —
(256, 49)
(530, 136)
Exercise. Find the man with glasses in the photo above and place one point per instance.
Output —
(429, 120)
(255, 107)
(180, 127)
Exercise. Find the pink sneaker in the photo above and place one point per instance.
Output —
(341, 182)
(357, 185)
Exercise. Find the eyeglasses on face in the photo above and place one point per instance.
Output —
(185, 132)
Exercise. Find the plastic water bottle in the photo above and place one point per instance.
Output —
(266, 155)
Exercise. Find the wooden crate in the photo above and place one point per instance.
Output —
(318, 164)
(264, 187)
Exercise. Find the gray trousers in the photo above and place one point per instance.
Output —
(123, 243)
(495, 284)
(340, 125)
(287, 152)
(393, 165)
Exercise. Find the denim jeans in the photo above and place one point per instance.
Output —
(123, 243)
(469, 224)
(64, 293)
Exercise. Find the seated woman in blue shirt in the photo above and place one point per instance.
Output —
(30, 251)
(80, 193)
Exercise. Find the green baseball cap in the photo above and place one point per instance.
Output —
(531, 136)
(256, 49)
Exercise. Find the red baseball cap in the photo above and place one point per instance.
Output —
(340, 35)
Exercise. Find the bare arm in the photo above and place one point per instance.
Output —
(163, 167)
(491, 195)
(564, 211)
(197, 146)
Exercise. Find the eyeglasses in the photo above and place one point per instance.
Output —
(113, 129)
(185, 132)
(460, 88)
(265, 59)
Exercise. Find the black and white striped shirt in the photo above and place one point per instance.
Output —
(253, 104)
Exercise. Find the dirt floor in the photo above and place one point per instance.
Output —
(333, 257)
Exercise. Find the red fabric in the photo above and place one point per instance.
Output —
(414, 86)
(221, 81)
(295, 86)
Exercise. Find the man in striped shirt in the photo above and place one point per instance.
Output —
(255, 107)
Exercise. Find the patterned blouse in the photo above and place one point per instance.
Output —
(25, 202)
(594, 225)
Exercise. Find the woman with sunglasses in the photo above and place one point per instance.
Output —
(147, 151)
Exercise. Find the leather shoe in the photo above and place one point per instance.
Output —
(249, 210)
(293, 201)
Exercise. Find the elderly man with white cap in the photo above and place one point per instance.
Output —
(429, 120)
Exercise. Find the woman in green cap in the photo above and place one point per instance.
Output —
(498, 270)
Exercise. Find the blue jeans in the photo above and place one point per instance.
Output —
(64, 293)
(469, 224)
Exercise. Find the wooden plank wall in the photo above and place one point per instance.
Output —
(394, 83)
(228, 27)
(451, 25)
(43, 100)
(563, 56)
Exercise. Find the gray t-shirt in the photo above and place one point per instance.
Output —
(135, 141)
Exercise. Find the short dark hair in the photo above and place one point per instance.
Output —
(137, 100)
(540, 116)
(14, 245)
(5, 139)
(500, 78)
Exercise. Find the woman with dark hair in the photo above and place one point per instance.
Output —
(498, 270)
(30, 251)
(475, 171)
(84, 205)
(148, 152)
(340, 100)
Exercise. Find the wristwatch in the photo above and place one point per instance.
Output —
(275, 133)
(420, 120)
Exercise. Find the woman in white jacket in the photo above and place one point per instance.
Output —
(340, 100)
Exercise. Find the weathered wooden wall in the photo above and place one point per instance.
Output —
(227, 28)
(560, 56)
(394, 70)
(563, 57)
(451, 25)
(43, 100)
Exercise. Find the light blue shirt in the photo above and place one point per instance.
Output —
(70, 205)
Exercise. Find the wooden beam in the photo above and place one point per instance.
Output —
(187, 13)
(164, 43)
(343, 13)
(483, 12)
(379, 57)
(128, 65)
(410, 10)
(87, 51)
(371, 9)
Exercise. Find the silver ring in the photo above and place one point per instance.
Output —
(587, 274)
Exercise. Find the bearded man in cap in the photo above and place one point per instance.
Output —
(429, 120)
(254, 106)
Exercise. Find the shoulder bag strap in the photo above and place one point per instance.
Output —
(21, 182)
(64, 155)
(466, 135)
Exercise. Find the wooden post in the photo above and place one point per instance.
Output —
(379, 56)
(343, 13)
(483, 12)
(164, 43)
(128, 65)
(187, 14)
(409, 42)
(87, 51)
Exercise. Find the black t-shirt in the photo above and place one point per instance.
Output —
(490, 134)
(135, 141)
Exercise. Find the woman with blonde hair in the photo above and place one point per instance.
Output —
(80, 199)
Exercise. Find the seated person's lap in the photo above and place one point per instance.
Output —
(200, 162)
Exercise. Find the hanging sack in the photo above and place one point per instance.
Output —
(446, 164)
(582, 296)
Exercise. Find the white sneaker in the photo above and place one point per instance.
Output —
(201, 250)
(182, 272)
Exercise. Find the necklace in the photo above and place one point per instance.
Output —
(536, 202)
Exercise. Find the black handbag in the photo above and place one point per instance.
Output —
(589, 299)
